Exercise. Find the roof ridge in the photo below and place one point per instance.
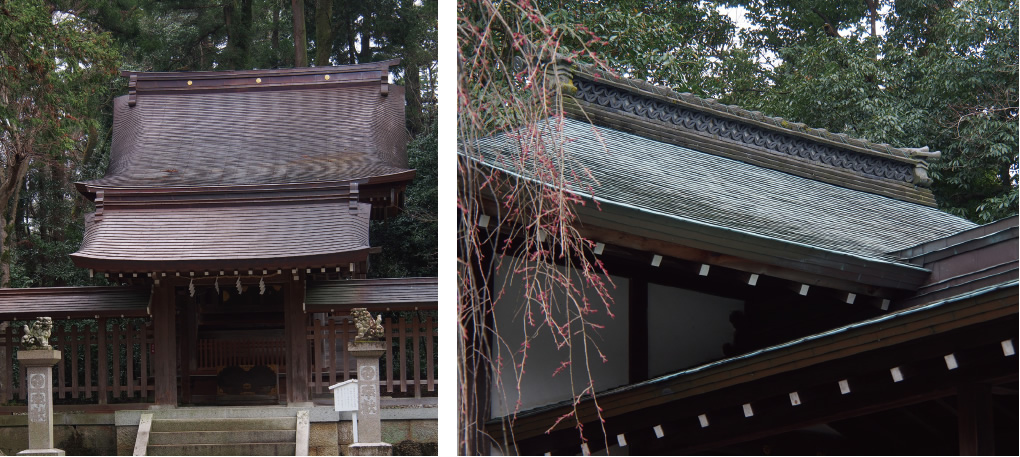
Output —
(913, 155)
(226, 74)
(664, 115)
(259, 80)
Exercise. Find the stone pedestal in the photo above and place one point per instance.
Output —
(367, 354)
(370, 449)
(38, 365)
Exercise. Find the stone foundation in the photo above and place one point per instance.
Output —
(411, 432)
(76, 434)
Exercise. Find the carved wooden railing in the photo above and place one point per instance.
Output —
(103, 360)
(218, 353)
(408, 368)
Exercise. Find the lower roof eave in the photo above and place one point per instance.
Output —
(845, 267)
(121, 265)
(390, 293)
(974, 308)
(74, 302)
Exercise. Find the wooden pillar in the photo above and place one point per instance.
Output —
(188, 346)
(975, 419)
(637, 339)
(295, 324)
(164, 335)
(104, 369)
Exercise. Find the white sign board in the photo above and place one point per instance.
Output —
(345, 395)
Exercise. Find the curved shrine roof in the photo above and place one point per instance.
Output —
(259, 236)
(672, 181)
(244, 170)
(324, 124)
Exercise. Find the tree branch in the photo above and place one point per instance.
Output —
(830, 29)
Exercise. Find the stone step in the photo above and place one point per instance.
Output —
(223, 449)
(223, 437)
(215, 425)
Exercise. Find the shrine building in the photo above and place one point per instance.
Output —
(777, 289)
(234, 218)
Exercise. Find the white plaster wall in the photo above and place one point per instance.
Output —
(686, 328)
(538, 386)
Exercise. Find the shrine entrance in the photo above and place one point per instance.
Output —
(232, 344)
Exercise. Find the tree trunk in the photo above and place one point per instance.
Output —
(873, 8)
(323, 32)
(276, 32)
(238, 20)
(228, 23)
(300, 39)
(352, 52)
(11, 185)
(412, 93)
(366, 38)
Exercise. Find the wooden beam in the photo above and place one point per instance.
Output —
(189, 338)
(992, 308)
(637, 334)
(631, 241)
(873, 392)
(164, 335)
(975, 419)
(295, 327)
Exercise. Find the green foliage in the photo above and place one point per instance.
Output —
(409, 241)
(969, 79)
(941, 76)
(785, 23)
(57, 71)
(675, 43)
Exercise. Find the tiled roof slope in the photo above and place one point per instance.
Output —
(674, 181)
(391, 292)
(325, 124)
(729, 131)
(73, 302)
(226, 237)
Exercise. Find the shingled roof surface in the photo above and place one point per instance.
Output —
(218, 132)
(678, 182)
(392, 292)
(77, 302)
(226, 237)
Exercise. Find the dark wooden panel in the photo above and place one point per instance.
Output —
(73, 302)
(323, 296)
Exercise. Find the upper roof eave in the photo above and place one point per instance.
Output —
(89, 188)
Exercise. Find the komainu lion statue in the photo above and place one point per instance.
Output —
(38, 335)
(368, 328)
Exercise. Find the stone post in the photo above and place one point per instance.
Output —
(367, 354)
(38, 364)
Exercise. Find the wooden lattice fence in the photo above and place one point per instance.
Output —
(103, 361)
(407, 369)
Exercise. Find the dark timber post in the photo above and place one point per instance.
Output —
(164, 322)
(638, 331)
(295, 328)
(975, 416)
